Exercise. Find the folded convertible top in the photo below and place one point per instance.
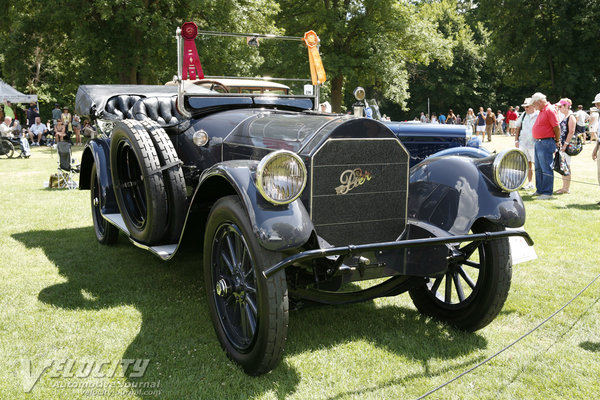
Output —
(91, 99)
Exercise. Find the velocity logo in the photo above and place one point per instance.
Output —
(70, 368)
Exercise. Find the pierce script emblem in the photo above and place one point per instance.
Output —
(352, 178)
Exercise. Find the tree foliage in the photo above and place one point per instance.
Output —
(544, 45)
(460, 83)
(456, 53)
(367, 43)
(51, 47)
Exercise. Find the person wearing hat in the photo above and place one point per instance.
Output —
(67, 119)
(524, 136)
(56, 114)
(546, 135)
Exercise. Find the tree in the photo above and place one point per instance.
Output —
(52, 47)
(458, 84)
(545, 45)
(365, 42)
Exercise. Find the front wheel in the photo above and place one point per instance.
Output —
(249, 312)
(473, 290)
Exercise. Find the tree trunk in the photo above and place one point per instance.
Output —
(551, 67)
(337, 84)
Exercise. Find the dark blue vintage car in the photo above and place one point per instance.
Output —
(287, 204)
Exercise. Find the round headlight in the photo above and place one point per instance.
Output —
(510, 169)
(281, 177)
(200, 138)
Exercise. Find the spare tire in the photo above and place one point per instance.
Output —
(138, 182)
(173, 178)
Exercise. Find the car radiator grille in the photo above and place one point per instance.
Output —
(359, 190)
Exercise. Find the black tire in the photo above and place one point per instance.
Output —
(6, 148)
(483, 296)
(139, 188)
(248, 311)
(106, 233)
(173, 178)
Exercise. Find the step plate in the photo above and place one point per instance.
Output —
(165, 251)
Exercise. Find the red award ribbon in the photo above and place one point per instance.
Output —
(191, 61)
(317, 72)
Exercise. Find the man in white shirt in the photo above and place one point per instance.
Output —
(582, 118)
(12, 132)
(38, 130)
(524, 138)
(5, 129)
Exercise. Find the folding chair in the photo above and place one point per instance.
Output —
(66, 170)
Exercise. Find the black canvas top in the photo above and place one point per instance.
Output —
(91, 99)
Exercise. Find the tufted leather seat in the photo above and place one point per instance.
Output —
(119, 107)
(159, 109)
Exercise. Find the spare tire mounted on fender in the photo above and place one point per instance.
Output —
(139, 184)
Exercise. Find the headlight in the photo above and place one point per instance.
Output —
(510, 169)
(281, 177)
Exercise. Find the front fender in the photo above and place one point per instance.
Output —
(97, 152)
(465, 151)
(452, 193)
(277, 227)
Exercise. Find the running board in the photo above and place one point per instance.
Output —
(165, 251)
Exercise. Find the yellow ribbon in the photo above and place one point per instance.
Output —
(317, 72)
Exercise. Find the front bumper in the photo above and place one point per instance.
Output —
(350, 250)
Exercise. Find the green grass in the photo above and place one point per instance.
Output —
(63, 296)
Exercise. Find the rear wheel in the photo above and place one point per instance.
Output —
(138, 182)
(249, 312)
(6, 148)
(473, 290)
(106, 233)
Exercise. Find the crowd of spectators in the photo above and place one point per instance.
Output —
(62, 127)
(540, 131)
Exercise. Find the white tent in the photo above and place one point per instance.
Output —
(9, 93)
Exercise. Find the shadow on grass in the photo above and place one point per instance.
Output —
(590, 346)
(176, 333)
(585, 207)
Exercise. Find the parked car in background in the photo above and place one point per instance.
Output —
(285, 205)
(423, 139)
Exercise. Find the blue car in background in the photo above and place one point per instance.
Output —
(424, 139)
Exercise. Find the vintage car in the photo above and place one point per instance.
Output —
(288, 205)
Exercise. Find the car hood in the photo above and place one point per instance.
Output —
(283, 130)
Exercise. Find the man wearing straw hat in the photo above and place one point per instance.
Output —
(523, 136)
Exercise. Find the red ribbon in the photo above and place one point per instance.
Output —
(191, 61)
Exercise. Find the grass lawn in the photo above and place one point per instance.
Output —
(65, 298)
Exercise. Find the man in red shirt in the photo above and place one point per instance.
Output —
(546, 134)
(511, 120)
